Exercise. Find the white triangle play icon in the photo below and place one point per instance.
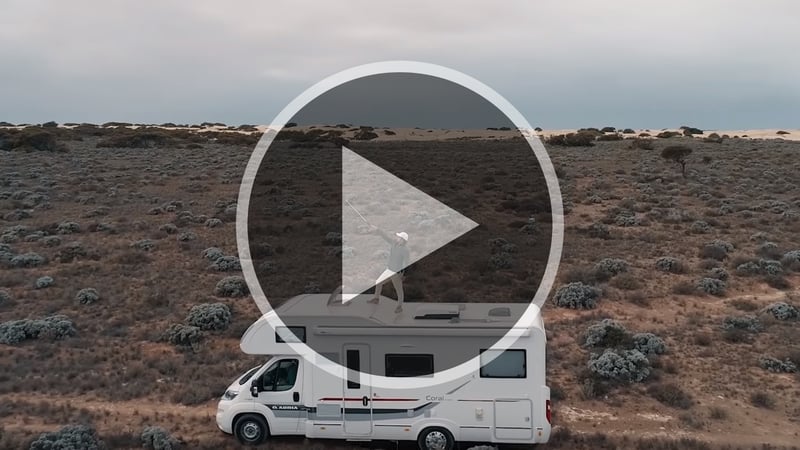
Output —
(374, 198)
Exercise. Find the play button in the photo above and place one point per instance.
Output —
(395, 201)
(376, 207)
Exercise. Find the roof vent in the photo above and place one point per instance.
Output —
(503, 311)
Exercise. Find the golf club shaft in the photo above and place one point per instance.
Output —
(359, 214)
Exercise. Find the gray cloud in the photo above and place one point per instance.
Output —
(563, 64)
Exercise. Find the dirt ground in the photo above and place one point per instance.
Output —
(118, 373)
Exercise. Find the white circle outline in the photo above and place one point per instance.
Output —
(414, 67)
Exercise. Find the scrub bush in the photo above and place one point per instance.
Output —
(607, 268)
(157, 438)
(144, 245)
(577, 295)
(209, 316)
(783, 311)
(182, 335)
(212, 253)
(670, 394)
(502, 260)
(226, 264)
(43, 282)
(68, 228)
(231, 287)
(187, 236)
(792, 260)
(599, 231)
(717, 249)
(746, 323)
(606, 333)
(71, 437)
(712, 286)
(670, 265)
(719, 273)
(776, 365)
(27, 260)
(700, 227)
(54, 327)
(87, 296)
(620, 365)
(649, 344)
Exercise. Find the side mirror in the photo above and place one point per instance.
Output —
(254, 388)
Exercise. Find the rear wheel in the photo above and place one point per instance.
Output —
(435, 438)
(251, 429)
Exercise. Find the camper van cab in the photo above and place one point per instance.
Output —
(334, 393)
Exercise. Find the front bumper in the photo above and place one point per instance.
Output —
(223, 421)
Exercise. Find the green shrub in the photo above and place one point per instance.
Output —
(54, 327)
(649, 344)
(783, 311)
(182, 335)
(577, 295)
(776, 365)
(746, 323)
(157, 438)
(87, 296)
(231, 287)
(210, 316)
(607, 268)
(70, 437)
(27, 260)
(212, 253)
(606, 333)
(670, 265)
(620, 365)
(43, 282)
(226, 264)
(712, 286)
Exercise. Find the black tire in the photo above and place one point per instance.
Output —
(251, 429)
(435, 438)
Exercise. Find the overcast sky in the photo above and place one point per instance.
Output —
(630, 63)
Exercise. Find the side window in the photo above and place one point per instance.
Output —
(408, 365)
(353, 369)
(290, 334)
(506, 364)
(280, 376)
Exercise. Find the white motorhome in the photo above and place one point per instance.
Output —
(374, 374)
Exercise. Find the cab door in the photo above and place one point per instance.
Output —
(280, 389)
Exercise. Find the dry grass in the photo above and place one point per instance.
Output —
(117, 374)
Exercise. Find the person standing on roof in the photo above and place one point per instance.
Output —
(398, 260)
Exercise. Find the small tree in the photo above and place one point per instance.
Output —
(678, 154)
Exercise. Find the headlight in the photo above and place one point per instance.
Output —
(230, 395)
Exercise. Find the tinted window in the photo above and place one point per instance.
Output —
(290, 334)
(506, 364)
(403, 365)
(353, 369)
(280, 376)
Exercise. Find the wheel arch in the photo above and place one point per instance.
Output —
(450, 426)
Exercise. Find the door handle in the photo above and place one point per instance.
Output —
(296, 396)
(365, 400)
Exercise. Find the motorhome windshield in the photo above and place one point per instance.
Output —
(249, 375)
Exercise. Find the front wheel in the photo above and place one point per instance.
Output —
(251, 429)
(435, 438)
